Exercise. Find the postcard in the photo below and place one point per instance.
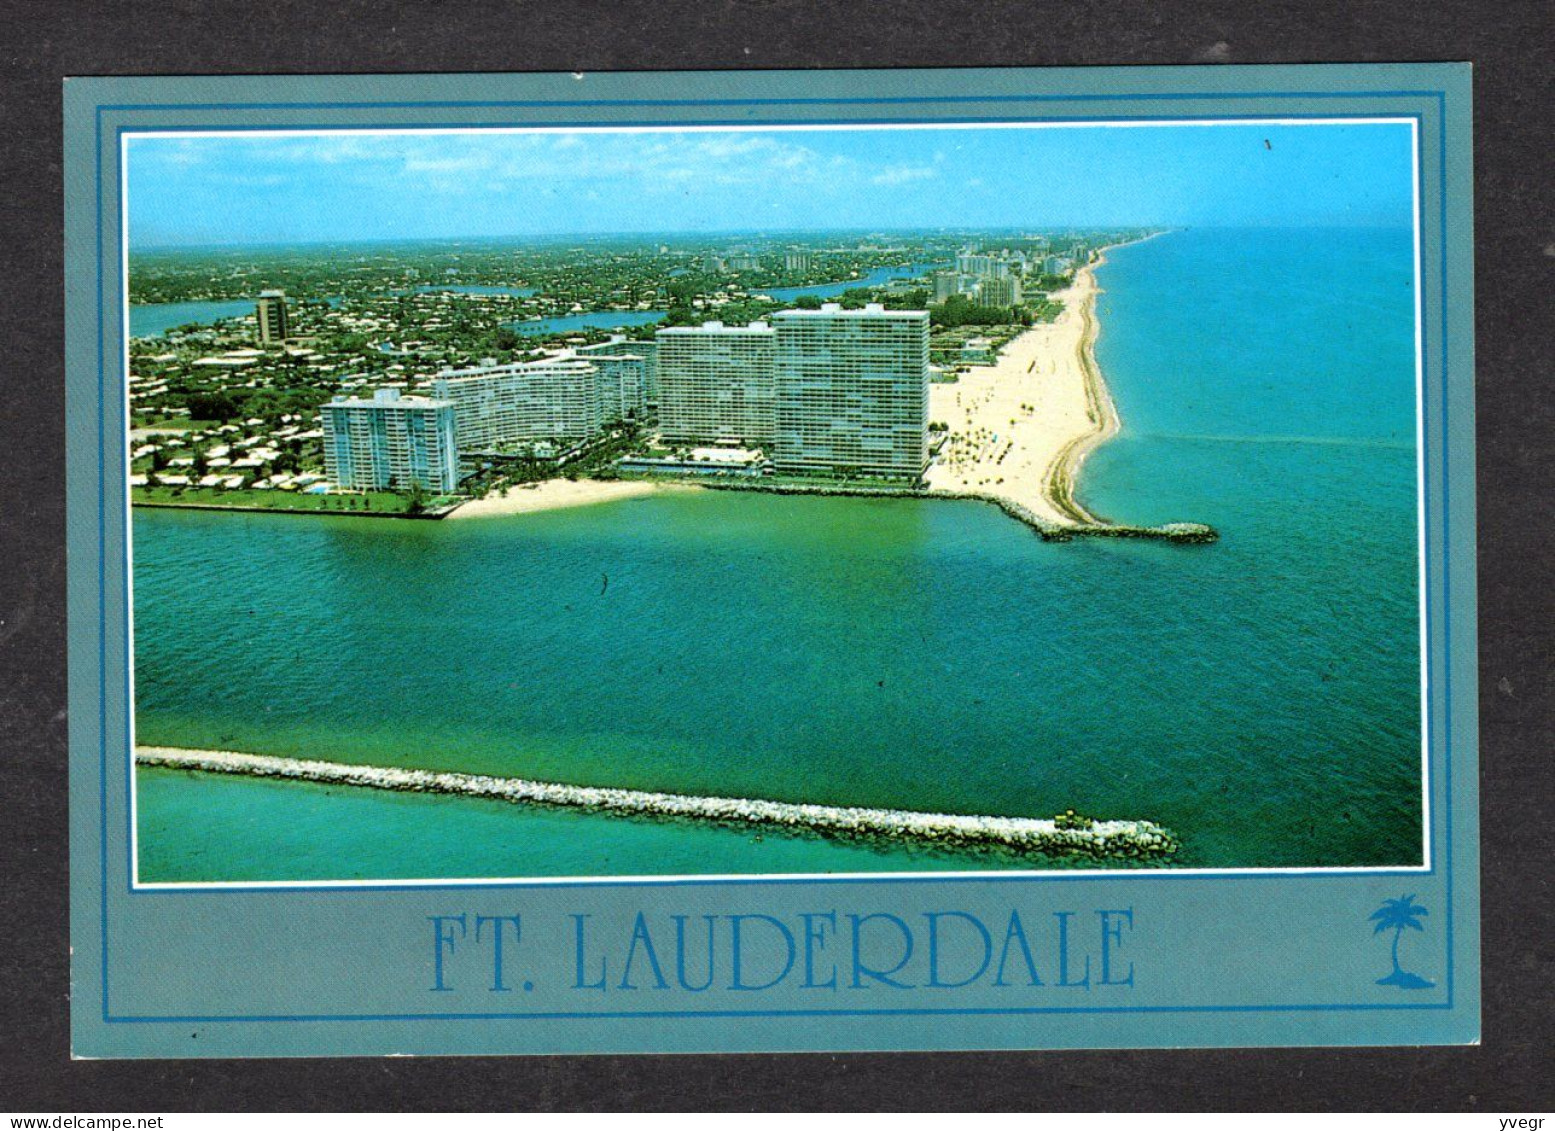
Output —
(769, 561)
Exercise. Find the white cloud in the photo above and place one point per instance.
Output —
(903, 174)
(483, 164)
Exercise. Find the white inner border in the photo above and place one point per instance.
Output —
(991, 873)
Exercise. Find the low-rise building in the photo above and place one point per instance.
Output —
(739, 462)
(978, 351)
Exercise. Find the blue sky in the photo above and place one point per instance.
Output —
(257, 189)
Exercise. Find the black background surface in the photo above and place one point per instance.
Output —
(1510, 44)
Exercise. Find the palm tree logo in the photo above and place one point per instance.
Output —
(1394, 915)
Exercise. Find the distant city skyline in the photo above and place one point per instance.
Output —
(269, 189)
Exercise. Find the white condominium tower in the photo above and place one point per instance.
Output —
(558, 399)
(390, 441)
(969, 263)
(852, 391)
(620, 345)
(999, 291)
(716, 385)
(622, 379)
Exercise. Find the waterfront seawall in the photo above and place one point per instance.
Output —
(1064, 836)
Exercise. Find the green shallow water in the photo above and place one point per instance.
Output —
(1259, 696)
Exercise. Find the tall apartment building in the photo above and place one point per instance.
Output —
(1003, 291)
(796, 261)
(622, 392)
(715, 384)
(620, 345)
(946, 284)
(270, 311)
(500, 405)
(390, 441)
(852, 391)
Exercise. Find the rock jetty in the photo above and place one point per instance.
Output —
(1066, 834)
(1047, 529)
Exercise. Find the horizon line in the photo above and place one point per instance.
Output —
(650, 235)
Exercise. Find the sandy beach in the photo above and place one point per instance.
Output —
(554, 494)
(1021, 428)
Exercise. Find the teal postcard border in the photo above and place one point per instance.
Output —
(294, 971)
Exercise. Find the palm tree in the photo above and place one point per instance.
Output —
(1395, 915)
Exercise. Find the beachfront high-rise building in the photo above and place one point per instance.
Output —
(270, 312)
(620, 345)
(852, 391)
(982, 266)
(999, 291)
(390, 441)
(946, 284)
(500, 405)
(715, 384)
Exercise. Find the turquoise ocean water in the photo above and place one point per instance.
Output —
(1259, 696)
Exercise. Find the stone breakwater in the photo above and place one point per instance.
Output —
(1064, 532)
(1046, 528)
(1064, 835)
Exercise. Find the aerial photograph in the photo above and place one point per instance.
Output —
(773, 500)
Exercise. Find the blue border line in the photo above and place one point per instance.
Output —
(1440, 97)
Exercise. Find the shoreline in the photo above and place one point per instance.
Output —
(1066, 834)
(559, 494)
(1021, 428)
(1062, 475)
(1045, 407)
